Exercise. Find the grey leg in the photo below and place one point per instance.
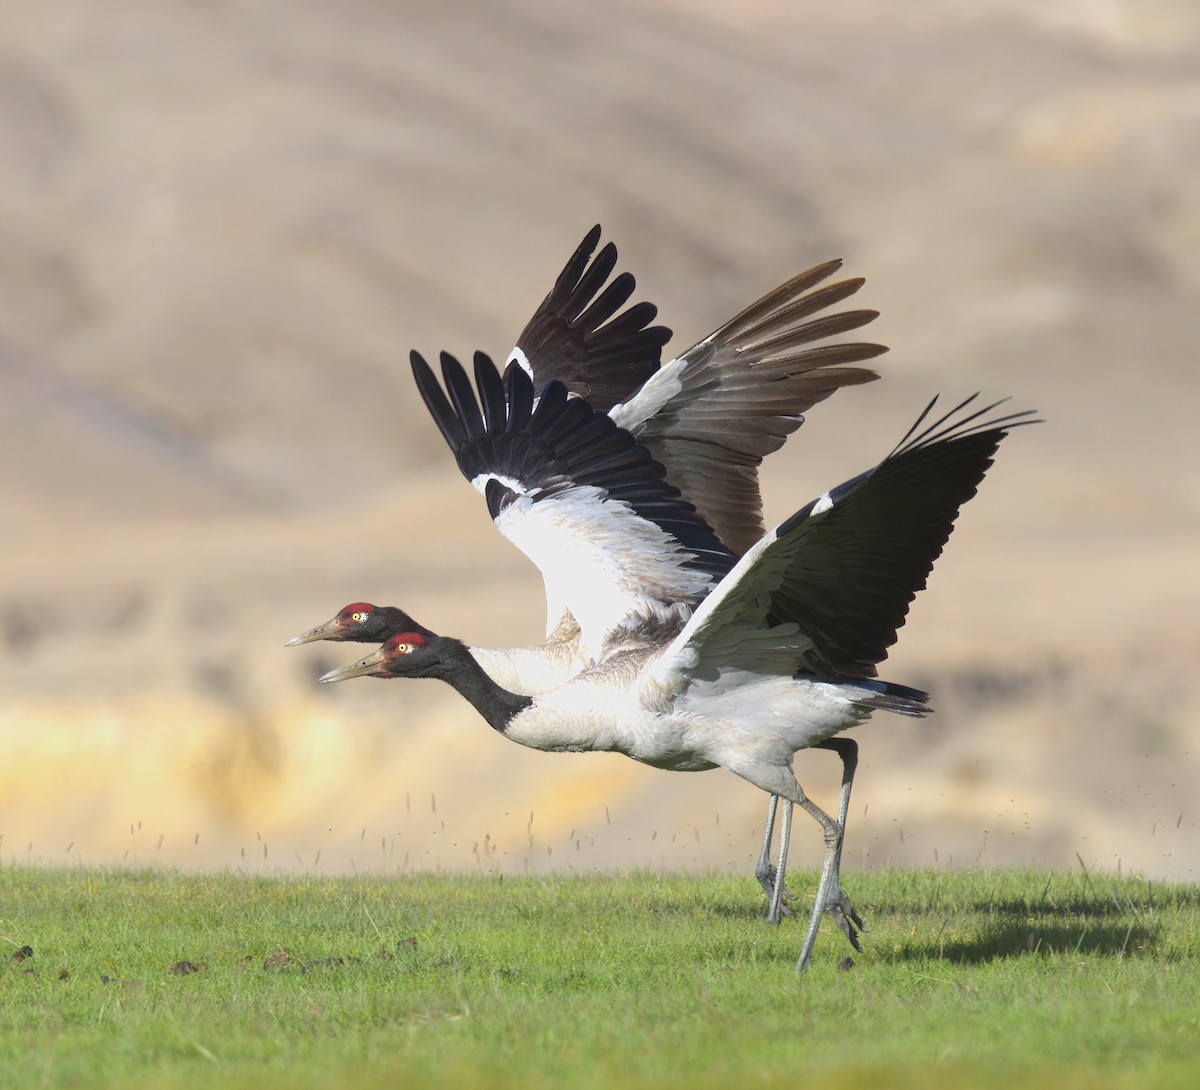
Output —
(839, 904)
(833, 847)
(771, 878)
(780, 895)
(777, 778)
(763, 871)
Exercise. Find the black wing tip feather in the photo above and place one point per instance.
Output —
(436, 402)
(591, 239)
(462, 395)
(952, 425)
(576, 264)
(492, 398)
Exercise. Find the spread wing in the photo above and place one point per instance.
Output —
(826, 591)
(578, 338)
(578, 495)
(711, 415)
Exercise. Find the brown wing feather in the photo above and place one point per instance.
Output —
(743, 391)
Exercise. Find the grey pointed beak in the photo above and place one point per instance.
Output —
(367, 666)
(326, 631)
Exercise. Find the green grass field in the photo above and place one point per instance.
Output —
(1051, 980)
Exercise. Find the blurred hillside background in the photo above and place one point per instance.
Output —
(224, 224)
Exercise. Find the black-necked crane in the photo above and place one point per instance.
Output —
(709, 416)
(777, 654)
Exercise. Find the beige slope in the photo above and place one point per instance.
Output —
(222, 227)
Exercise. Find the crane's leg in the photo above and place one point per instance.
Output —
(763, 871)
(771, 878)
(833, 848)
(777, 778)
(839, 904)
(780, 895)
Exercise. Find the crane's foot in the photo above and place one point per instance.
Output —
(766, 879)
(839, 907)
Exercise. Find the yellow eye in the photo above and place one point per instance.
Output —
(403, 648)
(358, 616)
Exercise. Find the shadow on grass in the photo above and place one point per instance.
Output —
(948, 920)
(1070, 912)
(1009, 939)
(743, 910)
(1081, 908)
(1089, 904)
(1108, 924)
(984, 930)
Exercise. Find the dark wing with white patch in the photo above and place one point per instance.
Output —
(544, 450)
(578, 338)
(713, 414)
(836, 579)
(575, 493)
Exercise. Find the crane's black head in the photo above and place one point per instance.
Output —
(359, 622)
(415, 653)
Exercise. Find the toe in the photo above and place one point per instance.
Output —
(846, 918)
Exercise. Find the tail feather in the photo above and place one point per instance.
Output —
(901, 699)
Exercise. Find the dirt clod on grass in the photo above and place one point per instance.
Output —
(184, 968)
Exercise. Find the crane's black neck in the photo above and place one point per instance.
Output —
(458, 667)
